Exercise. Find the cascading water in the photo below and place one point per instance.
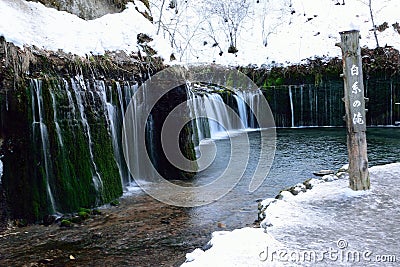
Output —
(115, 113)
(203, 105)
(58, 130)
(242, 108)
(136, 151)
(291, 104)
(79, 88)
(1, 170)
(37, 111)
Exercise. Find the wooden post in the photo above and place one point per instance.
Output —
(355, 110)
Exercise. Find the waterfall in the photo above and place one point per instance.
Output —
(110, 112)
(58, 130)
(115, 113)
(291, 104)
(97, 182)
(136, 152)
(213, 110)
(70, 101)
(1, 170)
(316, 108)
(391, 103)
(301, 106)
(204, 105)
(242, 108)
(310, 99)
(37, 111)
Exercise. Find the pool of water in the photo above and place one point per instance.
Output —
(299, 153)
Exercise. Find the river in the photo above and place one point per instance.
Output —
(146, 232)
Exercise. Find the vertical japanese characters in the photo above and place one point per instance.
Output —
(356, 107)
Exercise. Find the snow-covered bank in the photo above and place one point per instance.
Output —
(359, 228)
(280, 31)
(32, 24)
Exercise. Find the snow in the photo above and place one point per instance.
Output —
(327, 216)
(241, 247)
(280, 31)
(33, 24)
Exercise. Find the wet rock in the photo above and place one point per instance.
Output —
(45, 261)
(310, 183)
(66, 223)
(49, 220)
(221, 225)
(164, 221)
(96, 212)
(114, 203)
(323, 172)
(84, 215)
(76, 219)
(21, 223)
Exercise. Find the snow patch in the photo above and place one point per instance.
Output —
(272, 32)
(241, 247)
(32, 24)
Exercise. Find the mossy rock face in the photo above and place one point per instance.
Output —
(72, 160)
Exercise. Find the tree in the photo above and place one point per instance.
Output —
(372, 15)
(373, 22)
(230, 15)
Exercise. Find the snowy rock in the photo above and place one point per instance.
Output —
(329, 178)
(344, 168)
(310, 183)
(283, 195)
(266, 223)
(266, 202)
(262, 207)
(298, 188)
(342, 175)
(194, 254)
